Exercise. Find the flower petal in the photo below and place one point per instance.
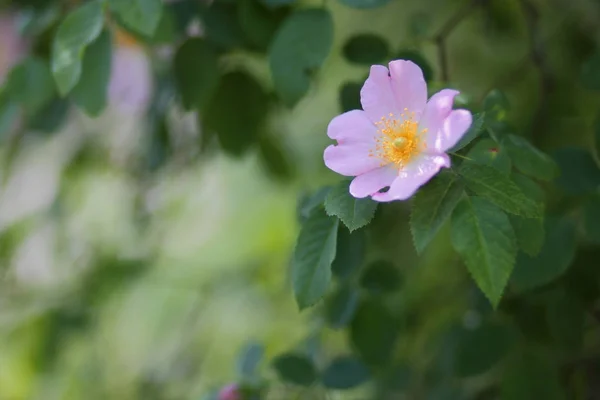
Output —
(409, 87)
(414, 176)
(438, 108)
(376, 95)
(373, 181)
(455, 126)
(352, 127)
(351, 159)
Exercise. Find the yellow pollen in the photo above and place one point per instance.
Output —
(398, 139)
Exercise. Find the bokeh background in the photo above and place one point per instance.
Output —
(138, 266)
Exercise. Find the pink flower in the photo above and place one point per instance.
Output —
(230, 392)
(400, 138)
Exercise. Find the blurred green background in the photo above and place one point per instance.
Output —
(124, 281)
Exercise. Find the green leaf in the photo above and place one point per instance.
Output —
(432, 206)
(80, 28)
(222, 26)
(482, 348)
(258, 22)
(565, 315)
(300, 46)
(366, 49)
(529, 231)
(496, 187)
(30, 84)
(276, 158)
(237, 112)
(354, 213)
(316, 199)
(90, 93)
(361, 4)
(349, 97)
(590, 72)
(531, 375)
(381, 277)
(341, 307)
(295, 369)
(579, 172)
(483, 236)
(249, 360)
(350, 252)
(373, 332)
(474, 131)
(345, 372)
(495, 105)
(591, 216)
(196, 73)
(488, 152)
(51, 117)
(418, 58)
(315, 251)
(142, 16)
(529, 160)
(554, 258)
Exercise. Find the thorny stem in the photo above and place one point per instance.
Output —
(442, 35)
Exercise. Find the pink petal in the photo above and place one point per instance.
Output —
(371, 182)
(376, 95)
(408, 85)
(351, 159)
(455, 126)
(438, 108)
(414, 176)
(352, 127)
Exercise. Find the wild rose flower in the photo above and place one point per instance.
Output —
(400, 138)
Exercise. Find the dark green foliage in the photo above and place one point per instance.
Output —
(366, 49)
(237, 112)
(295, 369)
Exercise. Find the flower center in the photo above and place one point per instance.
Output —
(398, 140)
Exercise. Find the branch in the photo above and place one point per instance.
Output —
(440, 37)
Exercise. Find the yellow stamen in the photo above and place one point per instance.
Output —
(398, 140)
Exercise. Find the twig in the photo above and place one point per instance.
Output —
(440, 37)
